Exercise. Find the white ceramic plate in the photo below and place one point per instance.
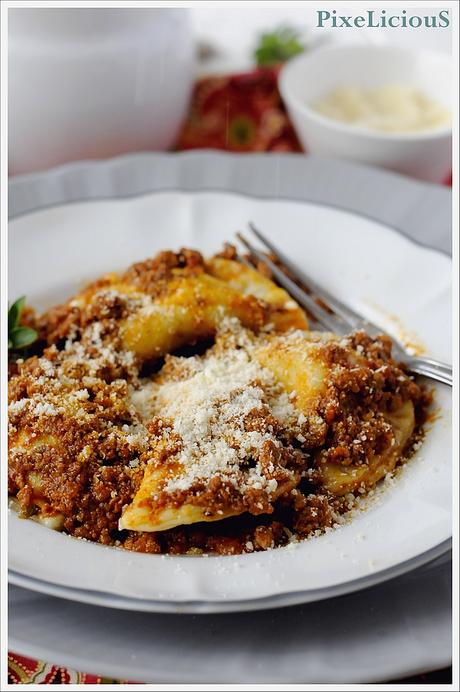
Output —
(404, 629)
(380, 272)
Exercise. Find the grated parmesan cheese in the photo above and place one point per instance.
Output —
(209, 403)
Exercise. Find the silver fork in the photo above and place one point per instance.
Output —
(336, 316)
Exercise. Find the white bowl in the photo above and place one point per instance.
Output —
(91, 83)
(309, 77)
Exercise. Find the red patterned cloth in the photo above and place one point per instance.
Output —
(239, 113)
(27, 670)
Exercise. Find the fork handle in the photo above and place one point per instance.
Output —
(431, 368)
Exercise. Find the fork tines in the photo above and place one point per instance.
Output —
(321, 315)
(330, 312)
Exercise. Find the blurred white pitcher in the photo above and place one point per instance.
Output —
(93, 83)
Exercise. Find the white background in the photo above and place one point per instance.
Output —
(234, 31)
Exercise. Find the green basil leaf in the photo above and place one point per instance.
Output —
(278, 47)
(23, 336)
(14, 313)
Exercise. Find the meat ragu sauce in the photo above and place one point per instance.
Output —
(79, 449)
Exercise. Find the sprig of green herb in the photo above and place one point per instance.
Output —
(19, 336)
(278, 46)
